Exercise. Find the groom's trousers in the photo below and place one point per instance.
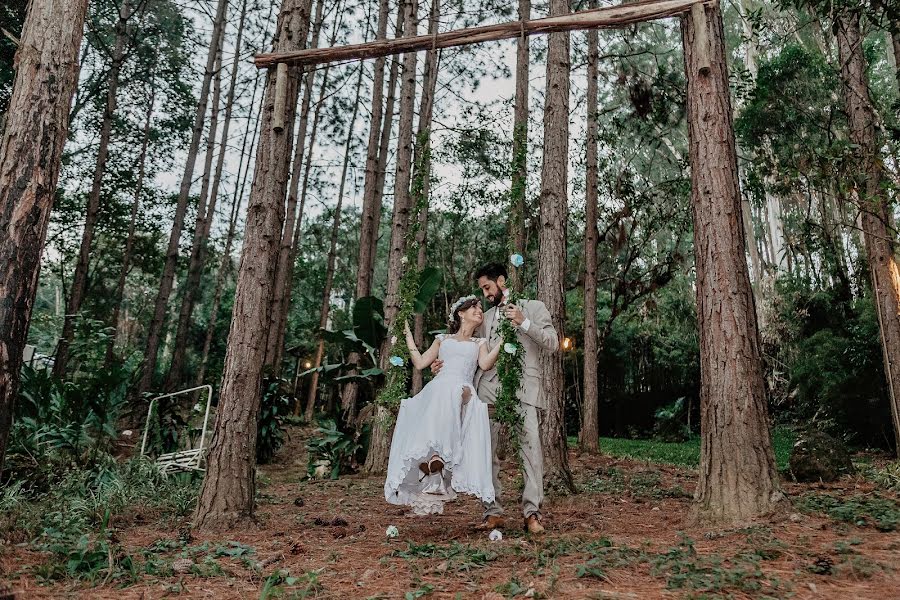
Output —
(532, 465)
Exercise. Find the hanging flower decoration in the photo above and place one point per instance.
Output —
(509, 373)
(517, 260)
(397, 361)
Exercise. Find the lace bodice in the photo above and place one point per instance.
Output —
(460, 358)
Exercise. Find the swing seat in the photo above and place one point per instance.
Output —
(193, 457)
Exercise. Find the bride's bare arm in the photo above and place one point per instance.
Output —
(488, 358)
(419, 360)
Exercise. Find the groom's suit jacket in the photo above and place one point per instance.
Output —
(539, 337)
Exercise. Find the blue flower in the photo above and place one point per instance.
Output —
(397, 361)
(510, 348)
(517, 260)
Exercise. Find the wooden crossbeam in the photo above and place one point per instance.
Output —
(607, 17)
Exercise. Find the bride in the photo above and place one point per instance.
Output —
(442, 441)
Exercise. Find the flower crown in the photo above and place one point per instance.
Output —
(459, 303)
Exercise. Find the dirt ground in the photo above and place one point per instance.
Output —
(624, 537)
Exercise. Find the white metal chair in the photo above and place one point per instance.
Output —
(193, 457)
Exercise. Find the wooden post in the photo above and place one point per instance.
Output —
(701, 38)
(281, 81)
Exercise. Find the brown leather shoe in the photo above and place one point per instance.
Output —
(490, 523)
(533, 524)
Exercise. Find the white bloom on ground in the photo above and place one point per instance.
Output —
(392, 531)
(495, 535)
(510, 348)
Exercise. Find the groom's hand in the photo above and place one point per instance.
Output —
(436, 366)
(514, 314)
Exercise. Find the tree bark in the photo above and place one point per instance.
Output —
(376, 459)
(519, 220)
(204, 221)
(423, 164)
(30, 155)
(132, 223)
(551, 276)
(227, 496)
(878, 234)
(292, 224)
(895, 43)
(157, 321)
(225, 264)
(738, 478)
(332, 254)
(590, 433)
(92, 213)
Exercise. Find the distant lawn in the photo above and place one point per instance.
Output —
(686, 454)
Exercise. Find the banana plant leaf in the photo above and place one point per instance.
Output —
(429, 284)
(366, 375)
(368, 321)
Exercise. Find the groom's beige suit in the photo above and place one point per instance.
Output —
(537, 336)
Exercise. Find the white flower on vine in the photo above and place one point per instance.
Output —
(393, 340)
(510, 348)
(404, 260)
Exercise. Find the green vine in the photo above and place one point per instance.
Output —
(397, 381)
(509, 363)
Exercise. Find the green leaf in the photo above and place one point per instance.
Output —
(429, 284)
(368, 321)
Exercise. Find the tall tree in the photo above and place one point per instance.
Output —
(292, 224)
(738, 478)
(551, 275)
(590, 434)
(325, 308)
(518, 189)
(229, 488)
(421, 187)
(225, 263)
(157, 320)
(80, 280)
(119, 294)
(373, 189)
(874, 203)
(205, 218)
(376, 459)
(30, 156)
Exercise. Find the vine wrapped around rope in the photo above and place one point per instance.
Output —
(395, 388)
(509, 364)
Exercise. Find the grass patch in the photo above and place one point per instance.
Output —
(863, 511)
(457, 557)
(643, 485)
(685, 454)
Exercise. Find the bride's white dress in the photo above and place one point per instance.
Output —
(436, 421)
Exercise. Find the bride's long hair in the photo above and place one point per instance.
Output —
(455, 321)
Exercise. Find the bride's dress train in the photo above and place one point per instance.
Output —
(438, 422)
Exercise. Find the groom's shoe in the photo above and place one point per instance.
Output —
(533, 524)
(490, 523)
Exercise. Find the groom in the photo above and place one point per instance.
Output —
(537, 335)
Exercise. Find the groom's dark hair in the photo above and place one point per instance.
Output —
(492, 271)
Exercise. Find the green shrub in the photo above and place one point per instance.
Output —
(331, 451)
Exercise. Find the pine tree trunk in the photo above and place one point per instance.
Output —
(423, 163)
(157, 321)
(226, 263)
(229, 488)
(590, 433)
(874, 204)
(895, 43)
(332, 254)
(293, 221)
(518, 220)
(204, 221)
(376, 459)
(132, 223)
(738, 478)
(92, 213)
(30, 155)
(368, 249)
(552, 257)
